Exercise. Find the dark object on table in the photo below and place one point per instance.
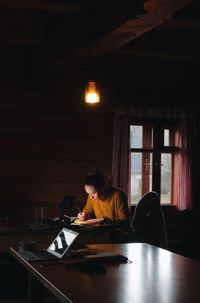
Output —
(92, 267)
(66, 205)
(64, 220)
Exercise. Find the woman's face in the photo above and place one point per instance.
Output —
(92, 192)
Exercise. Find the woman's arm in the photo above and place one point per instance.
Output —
(87, 211)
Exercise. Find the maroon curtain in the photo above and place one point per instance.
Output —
(183, 165)
(120, 160)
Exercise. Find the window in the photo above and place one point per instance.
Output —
(152, 153)
(160, 155)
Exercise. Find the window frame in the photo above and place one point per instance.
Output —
(157, 149)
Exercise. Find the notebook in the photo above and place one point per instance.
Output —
(89, 221)
(56, 249)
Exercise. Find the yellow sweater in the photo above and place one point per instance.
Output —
(114, 208)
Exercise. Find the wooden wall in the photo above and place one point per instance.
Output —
(49, 142)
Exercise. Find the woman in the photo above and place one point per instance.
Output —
(104, 202)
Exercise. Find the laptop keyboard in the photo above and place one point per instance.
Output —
(36, 255)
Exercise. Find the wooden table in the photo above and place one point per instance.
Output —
(154, 276)
(87, 234)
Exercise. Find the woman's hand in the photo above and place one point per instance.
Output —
(82, 216)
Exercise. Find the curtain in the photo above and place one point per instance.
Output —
(121, 172)
(183, 185)
(121, 163)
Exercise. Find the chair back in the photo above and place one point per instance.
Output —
(149, 221)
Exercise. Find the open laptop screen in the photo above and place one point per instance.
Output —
(62, 242)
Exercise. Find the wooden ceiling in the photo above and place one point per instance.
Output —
(130, 37)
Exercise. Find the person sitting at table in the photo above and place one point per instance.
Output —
(104, 202)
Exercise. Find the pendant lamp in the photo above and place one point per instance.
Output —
(92, 95)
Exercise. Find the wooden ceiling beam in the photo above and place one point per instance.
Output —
(156, 15)
(134, 28)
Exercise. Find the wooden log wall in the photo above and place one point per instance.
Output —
(46, 151)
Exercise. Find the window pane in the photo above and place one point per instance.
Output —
(141, 175)
(136, 176)
(136, 134)
(166, 137)
(166, 178)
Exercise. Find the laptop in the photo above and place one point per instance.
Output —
(56, 250)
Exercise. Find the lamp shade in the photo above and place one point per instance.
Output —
(92, 95)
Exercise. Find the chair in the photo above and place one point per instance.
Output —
(148, 221)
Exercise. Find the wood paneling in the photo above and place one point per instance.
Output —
(45, 156)
(47, 170)
(50, 124)
(46, 147)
